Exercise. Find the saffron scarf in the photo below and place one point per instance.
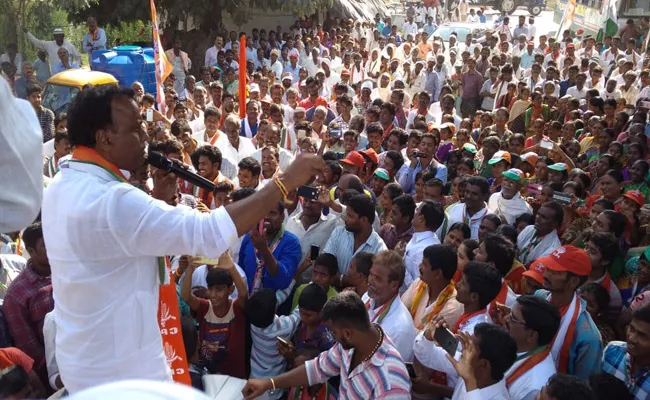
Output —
(442, 299)
(168, 309)
(94, 35)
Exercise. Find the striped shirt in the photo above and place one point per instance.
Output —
(266, 361)
(384, 376)
(341, 244)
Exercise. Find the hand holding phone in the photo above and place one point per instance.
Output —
(308, 192)
(149, 115)
(546, 144)
(315, 249)
(446, 340)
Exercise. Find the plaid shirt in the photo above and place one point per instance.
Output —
(28, 300)
(384, 376)
(615, 362)
(46, 119)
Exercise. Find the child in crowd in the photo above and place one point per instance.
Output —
(191, 341)
(323, 274)
(222, 323)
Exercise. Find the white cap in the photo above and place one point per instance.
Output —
(366, 85)
(254, 87)
(58, 31)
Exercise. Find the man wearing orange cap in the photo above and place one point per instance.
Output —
(577, 347)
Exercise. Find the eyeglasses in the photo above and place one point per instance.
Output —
(513, 319)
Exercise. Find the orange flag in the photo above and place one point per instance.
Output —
(163, 66)
(242, 76)
(169, 321)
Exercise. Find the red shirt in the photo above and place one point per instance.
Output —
(307, 103)
(228, 334)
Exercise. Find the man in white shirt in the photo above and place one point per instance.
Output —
(211, 53)
(274, 63)
(541, 239)
(487, 355)
(428, 218)
(478, 286)
(579, 91)
(234, 147)
(272, 136)
(312, 229)
(410, 27)
(532, 28)
(103, 232)
(533, 323)
(508, 203)
(472, 211)
(21, 160)
(384, 304)
(52, 47)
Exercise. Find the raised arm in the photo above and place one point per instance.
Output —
(186, 288)
(39, 44)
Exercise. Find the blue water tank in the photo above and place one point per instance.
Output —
(128, 64)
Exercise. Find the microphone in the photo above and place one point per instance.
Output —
(161, 162)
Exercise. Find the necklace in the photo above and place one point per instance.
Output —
(372, 353)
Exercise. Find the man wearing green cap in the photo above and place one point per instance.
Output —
(508, 203)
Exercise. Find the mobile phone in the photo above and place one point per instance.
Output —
(149, 115)
(308, 192)
(563, 199)
(411, 370)
(335, 133)
(206, 260)
(281, 340)
(446, 340)
(301, 133)
(313, 254)
(534, 189)
(260, 227)
(546, 144)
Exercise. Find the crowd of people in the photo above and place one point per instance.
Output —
(478, 229)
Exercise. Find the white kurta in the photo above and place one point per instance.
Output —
(398, 325)
(103, 238)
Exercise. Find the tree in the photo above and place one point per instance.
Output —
(207, 16)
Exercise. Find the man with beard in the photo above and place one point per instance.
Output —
(207, 160)
(361, 347)
(577, 347)
(384, 304)
(357, 235)
(270, 258)
(508, 203)
(234, 147)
